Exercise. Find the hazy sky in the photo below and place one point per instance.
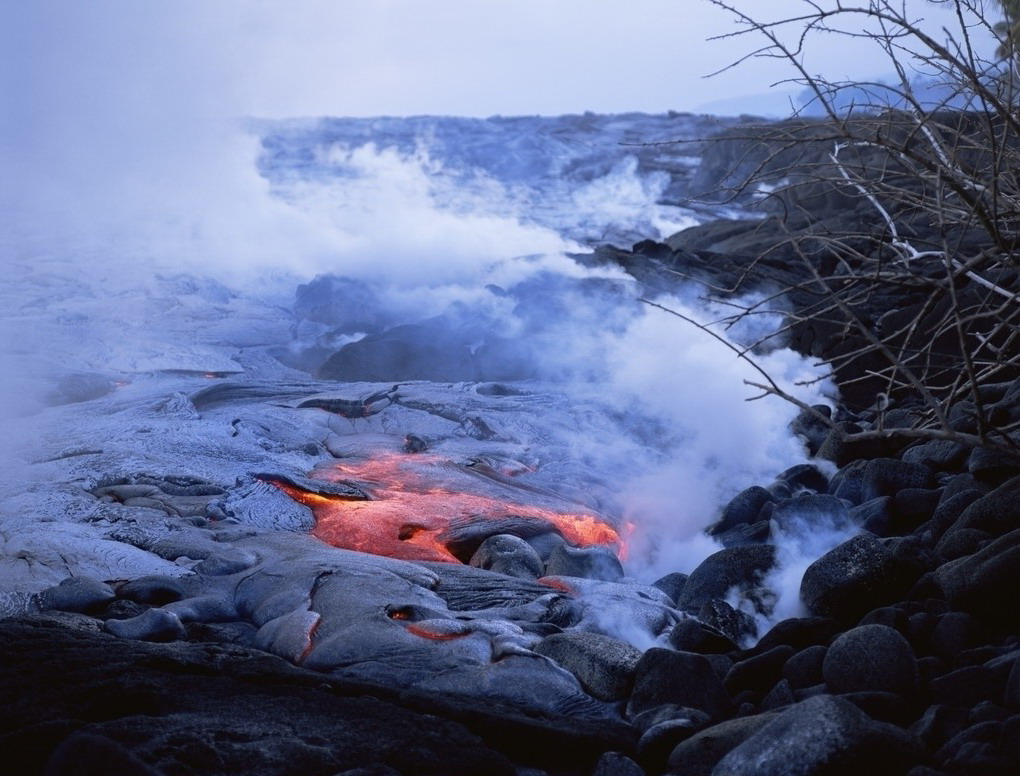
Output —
(397, 57)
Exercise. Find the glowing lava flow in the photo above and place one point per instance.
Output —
(423, 508)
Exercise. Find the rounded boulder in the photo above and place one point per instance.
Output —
(871, 658)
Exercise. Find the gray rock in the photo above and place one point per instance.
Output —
(594, 562)
(699, 754)
(155, 590)
(742, 508)
(510, 555)
(76, 594)
(823, 734)
(805, 476)
(604, 666)
(734, 623)
(888, 476)
(950, 507)
(987, 583)
(656, 743)
(854, 578)
(151, 625)
(741, 567)
(996, 512)
(226, 561)
(616, 764)
(848, 482)
(804, 669)
(689, 635)
(212, 607)
(758, 673)
(871, 658)
(938, 454)
(672, 584)
(289, 636)
(811, 511)
(683, 678)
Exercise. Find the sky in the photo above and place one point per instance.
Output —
(278, 58)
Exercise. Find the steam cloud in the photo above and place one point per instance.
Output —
(129, 167)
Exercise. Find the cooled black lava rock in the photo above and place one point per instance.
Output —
(689, 635)
(76, 594)
(734, 623)
(594, 562)
(987, 583)
(510, 555)
(848, 482)
(741, 567)
(742, 508)
(151, 625)
(616, 764)
(699, 754)
(429, 351)
(811, 511)
(938, 454)
(888, 476)
(800, 632)
(820, 735)
(672, 584)
(758, 673)
(603, 665)
(855, 577)
(871, 658)
(804, 669)
(997, 512)
(664, 676)
(805, 476)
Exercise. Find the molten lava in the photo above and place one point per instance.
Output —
(425, 508)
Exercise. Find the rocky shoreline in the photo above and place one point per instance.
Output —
(906, 659)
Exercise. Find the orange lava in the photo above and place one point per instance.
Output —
(419, 501)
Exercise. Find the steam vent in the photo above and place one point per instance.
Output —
(448, 480)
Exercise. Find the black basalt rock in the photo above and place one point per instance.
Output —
(664, 676)
(855, 577)
(742, 567)
(820, 735)
(871, 658)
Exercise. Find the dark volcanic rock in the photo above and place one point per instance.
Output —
(820, 735)
(871, 658)
(811, 511)
(689, 635)
(888, 476)
(151, 625)
(604, 666)
(758, 673)
(699, 754)
(804, 669)
(590, 562)
(76, 594)
(663, 676)
(987, 583)
(616, 764)
(672, 584)
(854, 578)
(800, 632)
(741, 567)
(734, 623)
(429, 351)
(220, 709)
(510, 555)
(742, 508)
